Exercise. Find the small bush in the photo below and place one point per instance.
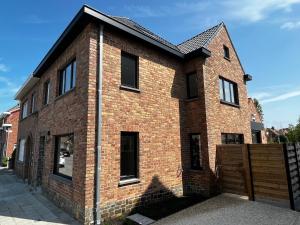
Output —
(4, 161)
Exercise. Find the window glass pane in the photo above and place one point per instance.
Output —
(232, 139)
(25, 110)
(74, 75)
(33, 103)
(226, 52)
(227, 91)
(224, 138)
(68, 78)
(46, 92)
(232, 94)
(64, 155)
(221, 89)
(62, 82)
(192, 85)
(128, 155)
(129, 70)
(196, 160)
(21, 150)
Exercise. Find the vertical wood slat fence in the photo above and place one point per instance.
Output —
(269, 173)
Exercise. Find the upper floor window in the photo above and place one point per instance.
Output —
(129, 155)
(67, 78)
(192, 85)
(25, 109)
(228, 91)
(232, 138)
(46, 92)
(33, 103)
(21, 150)
(226, 52)
(129, 70)
(195, 148)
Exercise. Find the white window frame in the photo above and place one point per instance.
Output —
(25, 109)
(22, 150)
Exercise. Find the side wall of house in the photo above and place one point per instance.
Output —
(222, 118)
(154, 112)
(66, 114)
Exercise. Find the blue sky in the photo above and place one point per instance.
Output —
(265, 33)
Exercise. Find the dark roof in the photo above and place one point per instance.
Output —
(200, 40)
(132, 24)
(193, 47)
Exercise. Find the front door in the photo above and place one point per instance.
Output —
(256, 137)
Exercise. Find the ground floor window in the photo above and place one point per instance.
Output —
(129, 155)
(21, 150)
(64, 151)
(232, 138)
(195, 148)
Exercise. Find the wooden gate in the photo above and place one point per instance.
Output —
(268, 173)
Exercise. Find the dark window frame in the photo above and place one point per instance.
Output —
(235, 92)
(226, 52)
(239, 136)
(200, 166)
(136, 174)
(189, 96)
(62, 77)
(46, 92)
(56, 144)
(136, 58)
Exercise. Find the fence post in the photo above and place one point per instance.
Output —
(288, 175)
(248, 172)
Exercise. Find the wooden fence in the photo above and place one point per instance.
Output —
(268, 173)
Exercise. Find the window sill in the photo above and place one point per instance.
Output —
(129, 182)
(61, 179)
(126, 88)
(65, 94)
(230, 104)
(228, 59)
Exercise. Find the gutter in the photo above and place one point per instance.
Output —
(99, 129)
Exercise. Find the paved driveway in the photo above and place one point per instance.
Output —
(19, 206)
(229, 210)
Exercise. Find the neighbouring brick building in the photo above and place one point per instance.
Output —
(115, 117)
(257, 127)
(9, 123)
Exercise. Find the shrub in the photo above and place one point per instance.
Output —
(4, 161)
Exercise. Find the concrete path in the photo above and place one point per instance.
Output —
(230, 210)
(19, 206)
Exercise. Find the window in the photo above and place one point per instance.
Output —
(64, 151)
(67, 78)
(129, 155)
(232, 139)
(129, 70)
(46, 92)
(228, 91)
(192, 85)
(32, 109)
(21, 150)
(195, 148)
(226, 52)
(25, 109)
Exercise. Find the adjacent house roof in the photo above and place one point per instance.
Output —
(190, 48)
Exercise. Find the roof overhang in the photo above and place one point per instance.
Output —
(257, 126)
(29, 83)
(204, 52)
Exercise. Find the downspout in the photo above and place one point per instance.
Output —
(99, 127)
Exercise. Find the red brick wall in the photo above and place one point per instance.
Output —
(223, 118)
(13, 119)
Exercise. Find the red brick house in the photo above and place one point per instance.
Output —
(115, 117)
(9, 123)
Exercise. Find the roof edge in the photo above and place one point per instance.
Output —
(28, 84)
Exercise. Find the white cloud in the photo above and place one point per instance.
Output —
(3, 68)
(261, 95)
(282, 97)
(8, 87)
(256, 10)
(290, 25)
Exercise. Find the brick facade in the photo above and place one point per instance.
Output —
(10, 139)
(159, 111)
